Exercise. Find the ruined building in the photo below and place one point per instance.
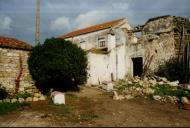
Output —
(115, 52)
(162, 38)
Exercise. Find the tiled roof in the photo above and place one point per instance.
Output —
(8, 42)
(91, 29)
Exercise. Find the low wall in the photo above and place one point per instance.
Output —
(14, 69)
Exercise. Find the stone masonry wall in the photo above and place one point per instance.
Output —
(158, 41)
(12, 64)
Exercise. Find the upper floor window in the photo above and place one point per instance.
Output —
(101, 42)
(83, 41)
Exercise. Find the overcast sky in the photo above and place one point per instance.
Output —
(17, 17)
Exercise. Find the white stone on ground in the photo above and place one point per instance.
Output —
(58, 97)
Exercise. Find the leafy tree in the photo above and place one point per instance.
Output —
(58, 64)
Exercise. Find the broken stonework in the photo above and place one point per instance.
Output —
(6, 100)
(35, 99)
(137, 87)
(108, 86)
(29, 99)
(13, 100)
(21, 100)
(184, 100)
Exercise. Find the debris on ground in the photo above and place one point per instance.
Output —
(158, 88)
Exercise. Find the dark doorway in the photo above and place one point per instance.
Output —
(137, 66)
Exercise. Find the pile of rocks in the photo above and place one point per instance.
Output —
(136, 87)
(36, 95)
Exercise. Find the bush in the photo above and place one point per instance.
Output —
(173, 70)
(170, 91)
(23, 95)
(58, 64)
(3, 93)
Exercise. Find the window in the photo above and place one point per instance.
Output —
(101, 42)
(82, 41)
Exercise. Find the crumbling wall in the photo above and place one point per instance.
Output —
(163, 37)
(14, 69)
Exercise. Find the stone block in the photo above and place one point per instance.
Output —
(185, 100)
(13, 100)
(157, 97)
(29, 99)
(175, 83)
(129, 97)
(188, 87)
(108, 86)
(21, 100)
(42, 97)
(58, 97)
(1, 101)
(35, 99)
(7, 100)
(37, 95)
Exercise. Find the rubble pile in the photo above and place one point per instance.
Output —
(158, 88)
(34, 95)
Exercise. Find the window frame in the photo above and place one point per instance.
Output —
(101, 41)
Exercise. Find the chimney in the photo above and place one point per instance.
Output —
(111, 40)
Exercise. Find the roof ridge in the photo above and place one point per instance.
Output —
(91, 28)
(10, 42)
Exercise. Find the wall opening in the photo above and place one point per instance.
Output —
(137, 66)
(112, 78)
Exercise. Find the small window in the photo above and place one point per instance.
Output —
(82, 42)
(101, 42)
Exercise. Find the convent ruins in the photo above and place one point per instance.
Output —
(114, 51)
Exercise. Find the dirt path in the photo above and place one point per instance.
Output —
(92, 107)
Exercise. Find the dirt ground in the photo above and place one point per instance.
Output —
(93, 107)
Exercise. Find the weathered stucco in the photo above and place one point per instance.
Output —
(107, 63)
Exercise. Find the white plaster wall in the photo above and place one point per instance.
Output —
(121, 66)
(100, 68)
(111, 42)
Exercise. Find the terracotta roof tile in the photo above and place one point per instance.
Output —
(8, 42)
(91, 29)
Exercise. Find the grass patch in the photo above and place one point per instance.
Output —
(8, 107)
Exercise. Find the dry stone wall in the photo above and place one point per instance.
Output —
(14, 67)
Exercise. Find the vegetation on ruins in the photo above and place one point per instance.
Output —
(58, 64)
(23, 95)
(173, 70)
(3, 93)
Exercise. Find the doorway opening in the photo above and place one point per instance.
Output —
(137, 66)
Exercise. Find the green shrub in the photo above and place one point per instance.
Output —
(58, 64)
(23, 95)
(8, 107)
(3, 93)
(171, 91)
